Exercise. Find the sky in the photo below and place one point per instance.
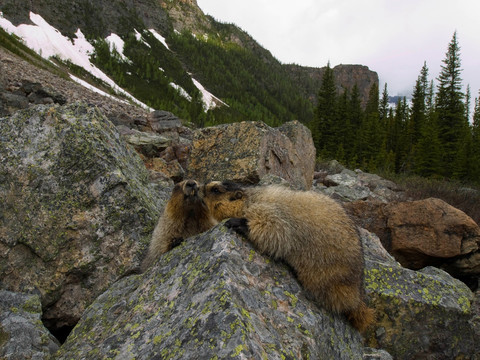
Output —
(393, 38)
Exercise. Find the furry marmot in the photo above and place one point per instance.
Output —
(185, 215)
(310, 231)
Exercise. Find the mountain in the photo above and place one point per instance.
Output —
(169, 55)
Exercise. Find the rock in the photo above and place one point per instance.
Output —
(147, 143)
(171, 169)
(77, 208)
(160, 120)
(347, 185)
(211, 297)
(247, 151)
(423, 314)
(425, 233)
(301, 139)
(22, 334)
(14, 101)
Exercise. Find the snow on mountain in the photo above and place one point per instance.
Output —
(139, 37)
(116, 43)
(49, 42)
(210, 100)
(159, 38)
(181, 91)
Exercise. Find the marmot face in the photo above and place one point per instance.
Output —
(185, 215)
(186, 193)
(224, 199)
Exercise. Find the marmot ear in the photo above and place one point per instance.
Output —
(238, 194)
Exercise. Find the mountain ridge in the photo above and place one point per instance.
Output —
(223, 58)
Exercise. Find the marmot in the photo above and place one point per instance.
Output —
(310, 231)
(185, 215)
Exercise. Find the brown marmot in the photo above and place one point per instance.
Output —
(310, 231)
(185, 215)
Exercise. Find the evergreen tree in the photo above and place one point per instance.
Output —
(371, 132)
(384, 108)
(475, 158)
(450, 107)
(419, 105)
(325, 125)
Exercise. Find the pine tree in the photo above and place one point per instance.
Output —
(419, 105)
(450, 107)
(384, 105)
(475, 158)
(325, 126)
(371, 134)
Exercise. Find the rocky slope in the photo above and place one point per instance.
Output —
(78, 208)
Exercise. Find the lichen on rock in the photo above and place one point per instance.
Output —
(77, 207)
(212, 297)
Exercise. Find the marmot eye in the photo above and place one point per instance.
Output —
(216, 190)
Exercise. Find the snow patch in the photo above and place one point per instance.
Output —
(116, 43)
(139, 38)
(210, 100)
(159, 38)
(181, 91)
(94, 89)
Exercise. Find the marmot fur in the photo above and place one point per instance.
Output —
(310, 231)
(185, 215)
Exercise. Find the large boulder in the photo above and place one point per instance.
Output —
(22, 334)
(211, 297)
(425, 233)
(423, 314)
(77, 209)
(247, 151)
(215, 296)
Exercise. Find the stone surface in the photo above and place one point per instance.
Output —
(160, 120)
(423, 314)
(424, 233)
(211, 297)
(147, 143)
(77, 209)
(347, 185)
(22, 334)
(215, 296)
(247, 151)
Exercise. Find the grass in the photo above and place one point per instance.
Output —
(465, 197)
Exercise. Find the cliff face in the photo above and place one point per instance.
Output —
(99, 18)
(346, 76)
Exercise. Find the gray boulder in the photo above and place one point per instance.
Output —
(212, 297)
(76, 207)
(22, 334)
(247, 151)
(424, 314)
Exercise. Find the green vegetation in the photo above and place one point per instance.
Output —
(432, 138)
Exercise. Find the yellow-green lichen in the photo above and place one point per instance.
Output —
(238, 350)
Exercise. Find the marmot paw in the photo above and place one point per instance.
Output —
(239, 225)
(175, 242)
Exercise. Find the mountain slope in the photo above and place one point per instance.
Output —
(169, 55)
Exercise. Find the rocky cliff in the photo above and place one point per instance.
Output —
(346, 77)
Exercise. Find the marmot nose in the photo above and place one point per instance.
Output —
(191, 184)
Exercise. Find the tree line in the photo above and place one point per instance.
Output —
(434, 135)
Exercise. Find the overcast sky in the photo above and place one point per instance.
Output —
(393, 38)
